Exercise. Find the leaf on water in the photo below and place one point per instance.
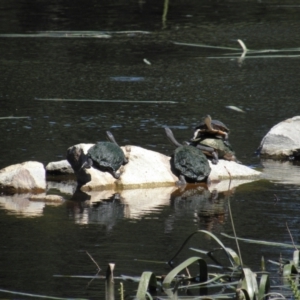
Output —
(146, 61)
(235, 108)
(147, 282)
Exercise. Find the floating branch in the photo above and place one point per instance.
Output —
(256, 56)
(262, 242)
(71, 34)
(205, 46)
(11, 117)
(245, 52)
(91, 100)
(38, 296)
(243, 45)
(58, 34)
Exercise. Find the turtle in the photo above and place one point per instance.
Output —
(189, 162)
(216, 148)
(209, 141)
(209, 127)
(106, 156)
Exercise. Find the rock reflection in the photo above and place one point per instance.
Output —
(285, 172)
(20, 205)
(108, 207)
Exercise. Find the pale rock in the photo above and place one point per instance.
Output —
(282, 141)
(59, 167)
(24, 177)
(65, 187)
(145, 169)
(231, 170)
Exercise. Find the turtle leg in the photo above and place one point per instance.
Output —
(116, 175)
(181, 180)
(86, 164)
(210, 152)
(215, 158)
(112, 172)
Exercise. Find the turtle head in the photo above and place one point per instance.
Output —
(207, 121)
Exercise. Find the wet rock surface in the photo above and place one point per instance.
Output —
(282, 141)
(24, 177)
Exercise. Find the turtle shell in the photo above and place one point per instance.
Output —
(106, 155)
(216, 124)
(191, 162)
(219, 146)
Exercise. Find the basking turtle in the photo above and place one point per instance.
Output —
(209, 127)
(189, 161)
(106, 156)
(216, 148)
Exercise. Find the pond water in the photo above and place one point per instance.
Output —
(137, 69)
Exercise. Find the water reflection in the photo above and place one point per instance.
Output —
(108, 207)
(19, 204)
(208, 209)
(285, 172)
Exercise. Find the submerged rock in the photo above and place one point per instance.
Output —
(282, 141)
(25, 177)
(146, 169)
(47, 198)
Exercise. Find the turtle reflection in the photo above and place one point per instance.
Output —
(208, 209)
(107, 211)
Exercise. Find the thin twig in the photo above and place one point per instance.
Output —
(229, 177)
(99, 269)
(291, 235)
(233, 228)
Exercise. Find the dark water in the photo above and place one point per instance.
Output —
(39, 241)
